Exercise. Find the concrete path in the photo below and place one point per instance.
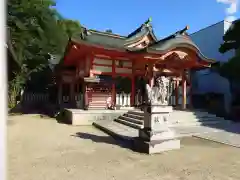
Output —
(228, 134)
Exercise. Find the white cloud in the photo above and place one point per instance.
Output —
(231, 10)
(230, 18)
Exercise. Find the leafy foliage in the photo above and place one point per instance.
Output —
(69, 27)
(230, 70)
(109, 31)
(231, 38)
(37, 30)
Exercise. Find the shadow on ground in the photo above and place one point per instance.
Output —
(45, 110)
(213, 103)
(126, 144)
(224, 124)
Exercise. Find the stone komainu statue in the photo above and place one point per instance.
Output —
(158, 94)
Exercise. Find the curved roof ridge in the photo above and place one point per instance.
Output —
(181, 32)
(147, 23)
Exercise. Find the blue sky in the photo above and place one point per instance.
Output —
(124, 16)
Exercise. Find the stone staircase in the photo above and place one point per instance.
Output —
(184, 124)
(134, 119)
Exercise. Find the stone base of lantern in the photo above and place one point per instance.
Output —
(156, 136)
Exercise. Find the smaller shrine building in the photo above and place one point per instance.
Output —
(102, 65)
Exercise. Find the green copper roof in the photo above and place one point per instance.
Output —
(144, 29)
(113, 40)
(173, 42)
(106, 39)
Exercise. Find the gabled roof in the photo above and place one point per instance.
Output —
(114, 40)
(179, 39)
(99, 38)
(143, 30)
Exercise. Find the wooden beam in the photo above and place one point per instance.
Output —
(113, 82)
(150, 75)
(184, 91)
(60, 93)
(176, 92)
(133, 83)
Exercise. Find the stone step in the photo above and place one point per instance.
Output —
(99, 94)
(136, 112)
(133, 120)
(122, 131)
(185, 120)
(117, 129)
(219, 134)
(126, 107)
(98, 101)
(96, 108)
(178, 115)
(128, 123)
(97, 104)
(200, 123)
(139, 123)
(101, 104)
(135, 116)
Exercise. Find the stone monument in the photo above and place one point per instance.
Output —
(156, 136)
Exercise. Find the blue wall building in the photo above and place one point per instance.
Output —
(209, 40)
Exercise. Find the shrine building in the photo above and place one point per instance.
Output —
(102, 69)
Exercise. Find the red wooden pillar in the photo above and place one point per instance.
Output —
(78, 87)
(113, 82)
(176, 92)
(184, 91)
(72, 94)
(85, 90)
(151, 77)
(190, 90)
(91, 64)
(60, 93)
(132, 90)
(133, 83)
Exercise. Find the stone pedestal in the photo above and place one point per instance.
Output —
(156, 136)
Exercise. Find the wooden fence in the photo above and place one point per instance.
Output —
(122, 99)
(33, 98)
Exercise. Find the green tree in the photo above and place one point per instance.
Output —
(231, 38)
(230, 70)
(109, 31)
(69, 27)
(36, 30)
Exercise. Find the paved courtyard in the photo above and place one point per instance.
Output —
(41, 149)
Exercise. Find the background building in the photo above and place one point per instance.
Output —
(209, 40)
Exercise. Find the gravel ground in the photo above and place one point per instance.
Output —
(42, 149)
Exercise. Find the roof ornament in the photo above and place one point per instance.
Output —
(183, 31)
(146, 23)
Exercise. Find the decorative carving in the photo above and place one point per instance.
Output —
(158, 95)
